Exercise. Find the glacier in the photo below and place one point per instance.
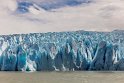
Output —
(63, 51)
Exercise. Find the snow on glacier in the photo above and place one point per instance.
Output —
(62, 51)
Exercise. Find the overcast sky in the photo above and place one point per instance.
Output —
(99, 15)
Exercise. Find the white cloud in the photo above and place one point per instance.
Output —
(8, 5)
(102, 15)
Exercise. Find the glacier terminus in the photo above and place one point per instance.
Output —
(63, 51)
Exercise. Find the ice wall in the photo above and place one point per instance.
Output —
(62, 51)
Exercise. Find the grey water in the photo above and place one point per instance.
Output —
(62, 77)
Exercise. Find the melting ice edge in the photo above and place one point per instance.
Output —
(63, 51)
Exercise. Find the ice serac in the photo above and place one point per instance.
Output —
(120, 65)
(62, 51)
(99, 59)
(9, 59)
(21, 56)
(59, 60)
(109, 58)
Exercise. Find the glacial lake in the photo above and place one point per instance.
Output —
(62, 77)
